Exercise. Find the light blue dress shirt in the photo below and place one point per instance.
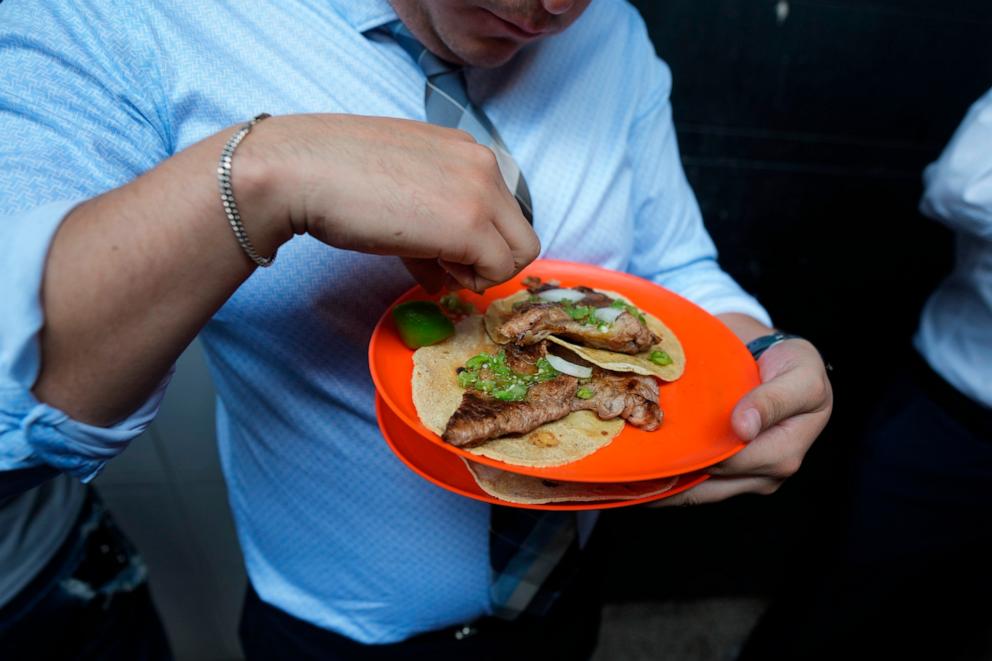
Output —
(334, 529)
(955, 333)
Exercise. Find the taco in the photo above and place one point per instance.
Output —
(602, 327)
(512, 404)
(524, 489)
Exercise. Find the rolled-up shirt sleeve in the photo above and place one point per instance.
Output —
(78, 116)
(958, 185)
(672, 247)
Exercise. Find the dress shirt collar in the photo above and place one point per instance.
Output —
(365, 15)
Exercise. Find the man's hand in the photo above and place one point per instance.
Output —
(428, 194)
(780, 418)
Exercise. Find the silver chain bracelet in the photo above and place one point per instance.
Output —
(227, 195)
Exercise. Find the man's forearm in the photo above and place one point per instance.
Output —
(134, 274)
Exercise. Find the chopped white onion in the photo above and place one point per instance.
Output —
(609, 315)
(559, 295)
(571, 369)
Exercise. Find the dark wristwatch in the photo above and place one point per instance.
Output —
(762, 344)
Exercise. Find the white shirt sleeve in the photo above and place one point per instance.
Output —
(958, 185)
(33, 433)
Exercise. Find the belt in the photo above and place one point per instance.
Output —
(965, 410)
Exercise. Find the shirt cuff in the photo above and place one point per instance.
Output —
(706, 285)
(31, 432)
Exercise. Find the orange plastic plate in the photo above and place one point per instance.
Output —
(448, 471)
(696, 430)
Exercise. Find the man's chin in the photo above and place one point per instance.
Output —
(489, 52)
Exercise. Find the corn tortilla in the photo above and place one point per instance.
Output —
(501, 310)
(436, 396)
(527, 490)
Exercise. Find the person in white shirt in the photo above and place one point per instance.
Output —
(955, 333)
(913, 577)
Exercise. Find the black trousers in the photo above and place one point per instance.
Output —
(90, 602)
(569, 632)
(911, 575)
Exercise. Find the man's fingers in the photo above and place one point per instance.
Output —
(523, 242)
(781, 418)
(476, 244)
(507, 216)
(763, 407)
(427, 272)
(777, 452)
(475, 262)
(719, 488)
(465, 276)
(789, 393)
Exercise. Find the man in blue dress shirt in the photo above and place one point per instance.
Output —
(112, 118)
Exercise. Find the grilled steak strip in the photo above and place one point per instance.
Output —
(533, 322)
(593, 298)
(522, 359)
(632, 397)
(480, 417)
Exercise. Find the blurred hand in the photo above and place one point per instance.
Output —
(431, 275)
(780, 418)
(428, 194)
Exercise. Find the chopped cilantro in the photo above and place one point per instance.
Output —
(584, 314)
(453, 303)
(624, 305)
(660, 358)
(489, 373)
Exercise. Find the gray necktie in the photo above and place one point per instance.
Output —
(533, 554)
(447, 104)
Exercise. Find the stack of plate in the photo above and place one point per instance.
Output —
(695, 433)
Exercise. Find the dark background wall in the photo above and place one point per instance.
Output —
(804, 128)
